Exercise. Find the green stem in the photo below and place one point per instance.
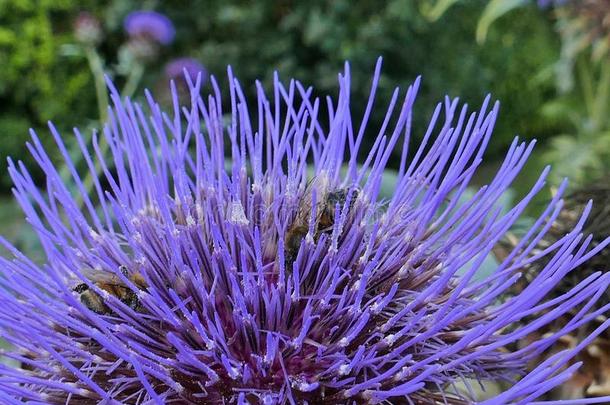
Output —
(600, 110)
(97, 68)
(133, 80)
(586, 81)
(131, 85)
(96, 65)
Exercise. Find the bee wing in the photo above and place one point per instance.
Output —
(304, 203)
(98, 276)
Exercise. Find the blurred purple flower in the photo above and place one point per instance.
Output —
(556, 3)
(150, 25)
(200, 273)
(176, 68)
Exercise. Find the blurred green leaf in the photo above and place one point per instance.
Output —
(44, 78)
(575, 157)
(434, 11)
(494, 10)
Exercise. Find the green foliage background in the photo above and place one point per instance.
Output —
(38, 83)
(45, 73)
(45, 77)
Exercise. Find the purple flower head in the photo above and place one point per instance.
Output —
(176, 69)
(556, 3)
(255, 262)
(149, 25)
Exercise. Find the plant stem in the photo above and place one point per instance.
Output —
(97, 68)
(586, 81)
(599, 113)
(133, 80)
(96, 65)
(131, 85)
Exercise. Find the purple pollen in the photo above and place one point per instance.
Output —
(253, 260)
(150, 25)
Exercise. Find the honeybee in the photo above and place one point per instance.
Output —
(114, 286)
(325, 219)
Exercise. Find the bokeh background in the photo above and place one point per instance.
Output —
(546, 61)
(547, 68)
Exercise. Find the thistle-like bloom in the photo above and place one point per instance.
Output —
(175, 69)
(150, 25)
(254, 261)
